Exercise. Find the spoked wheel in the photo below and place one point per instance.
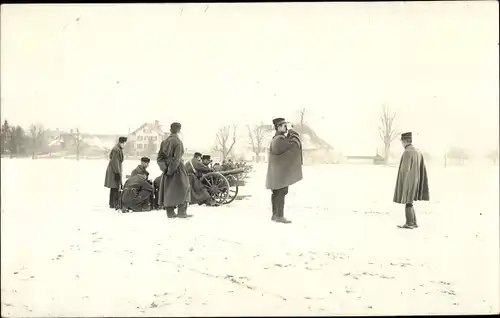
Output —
(233, 189)
(217, 186)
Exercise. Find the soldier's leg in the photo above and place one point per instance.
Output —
(413, 217)
(408, 216)
(171, 212)
(280, 205)
(182, 212)
(273, 204)
(111, 199)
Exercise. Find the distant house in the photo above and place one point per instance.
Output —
(146, 140)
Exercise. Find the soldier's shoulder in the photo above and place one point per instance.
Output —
(279, 137)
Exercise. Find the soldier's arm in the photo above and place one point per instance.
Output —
(134, 172)
(115, 162)
(161, 157)
(147, 186)
(201, 167)
(281, 144)
(174, 165)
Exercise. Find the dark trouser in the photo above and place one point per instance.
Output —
(138, 203)
(411, 218)
(155, 199)
(113, 198)
(278, 202)
(182, 209)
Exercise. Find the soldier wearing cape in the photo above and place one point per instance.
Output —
(284, 167)
(411, 183)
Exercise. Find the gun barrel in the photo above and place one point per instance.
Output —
(232, 171)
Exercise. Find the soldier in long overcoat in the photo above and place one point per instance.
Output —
(412, 183)
(284, 167)
(137, 194)
(195, 170)
(174, 186)
(113, 179)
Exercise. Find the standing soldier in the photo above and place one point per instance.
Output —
(113, 179)
(412, 183)
(284, 168)
(174, 186)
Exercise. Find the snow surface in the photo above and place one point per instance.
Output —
(65, 253)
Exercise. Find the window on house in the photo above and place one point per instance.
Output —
(139, 146)
(154, 138)
(139, 138)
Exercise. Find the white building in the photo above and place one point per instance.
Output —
(146, 140)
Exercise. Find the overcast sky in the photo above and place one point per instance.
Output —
(108, 68)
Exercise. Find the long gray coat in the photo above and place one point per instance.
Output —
(114, 167)
(412, 183)
(285, 162)
(195, 170)
(174, 186)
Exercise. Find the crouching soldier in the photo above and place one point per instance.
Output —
(137, 194)
(195, 170)
(142, 167)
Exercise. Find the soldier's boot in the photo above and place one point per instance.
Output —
(408, 217)
(413, 218)
(273, 206)
(182, 211)
(280, 210)
(171, 212)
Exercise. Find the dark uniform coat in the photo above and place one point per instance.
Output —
(412, 183)
(195, 170)
(140, 170)
(174, 186)
(114, 168)
(285, 161)
(137, 192)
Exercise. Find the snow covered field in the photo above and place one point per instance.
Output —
(64, 253)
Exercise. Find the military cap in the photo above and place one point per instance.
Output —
(145, 159)
(197, 154)
(406, 136)
(175, 127)
(278, 121)
(122, 139)
(205, 157)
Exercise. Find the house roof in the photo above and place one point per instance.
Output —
(153, 126)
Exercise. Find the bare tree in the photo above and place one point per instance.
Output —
(222, 139)
(36, 134)
(257, 136)
(302, 113)
(387, 131)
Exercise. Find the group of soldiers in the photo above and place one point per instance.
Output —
(139, 193)
(179, 184)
